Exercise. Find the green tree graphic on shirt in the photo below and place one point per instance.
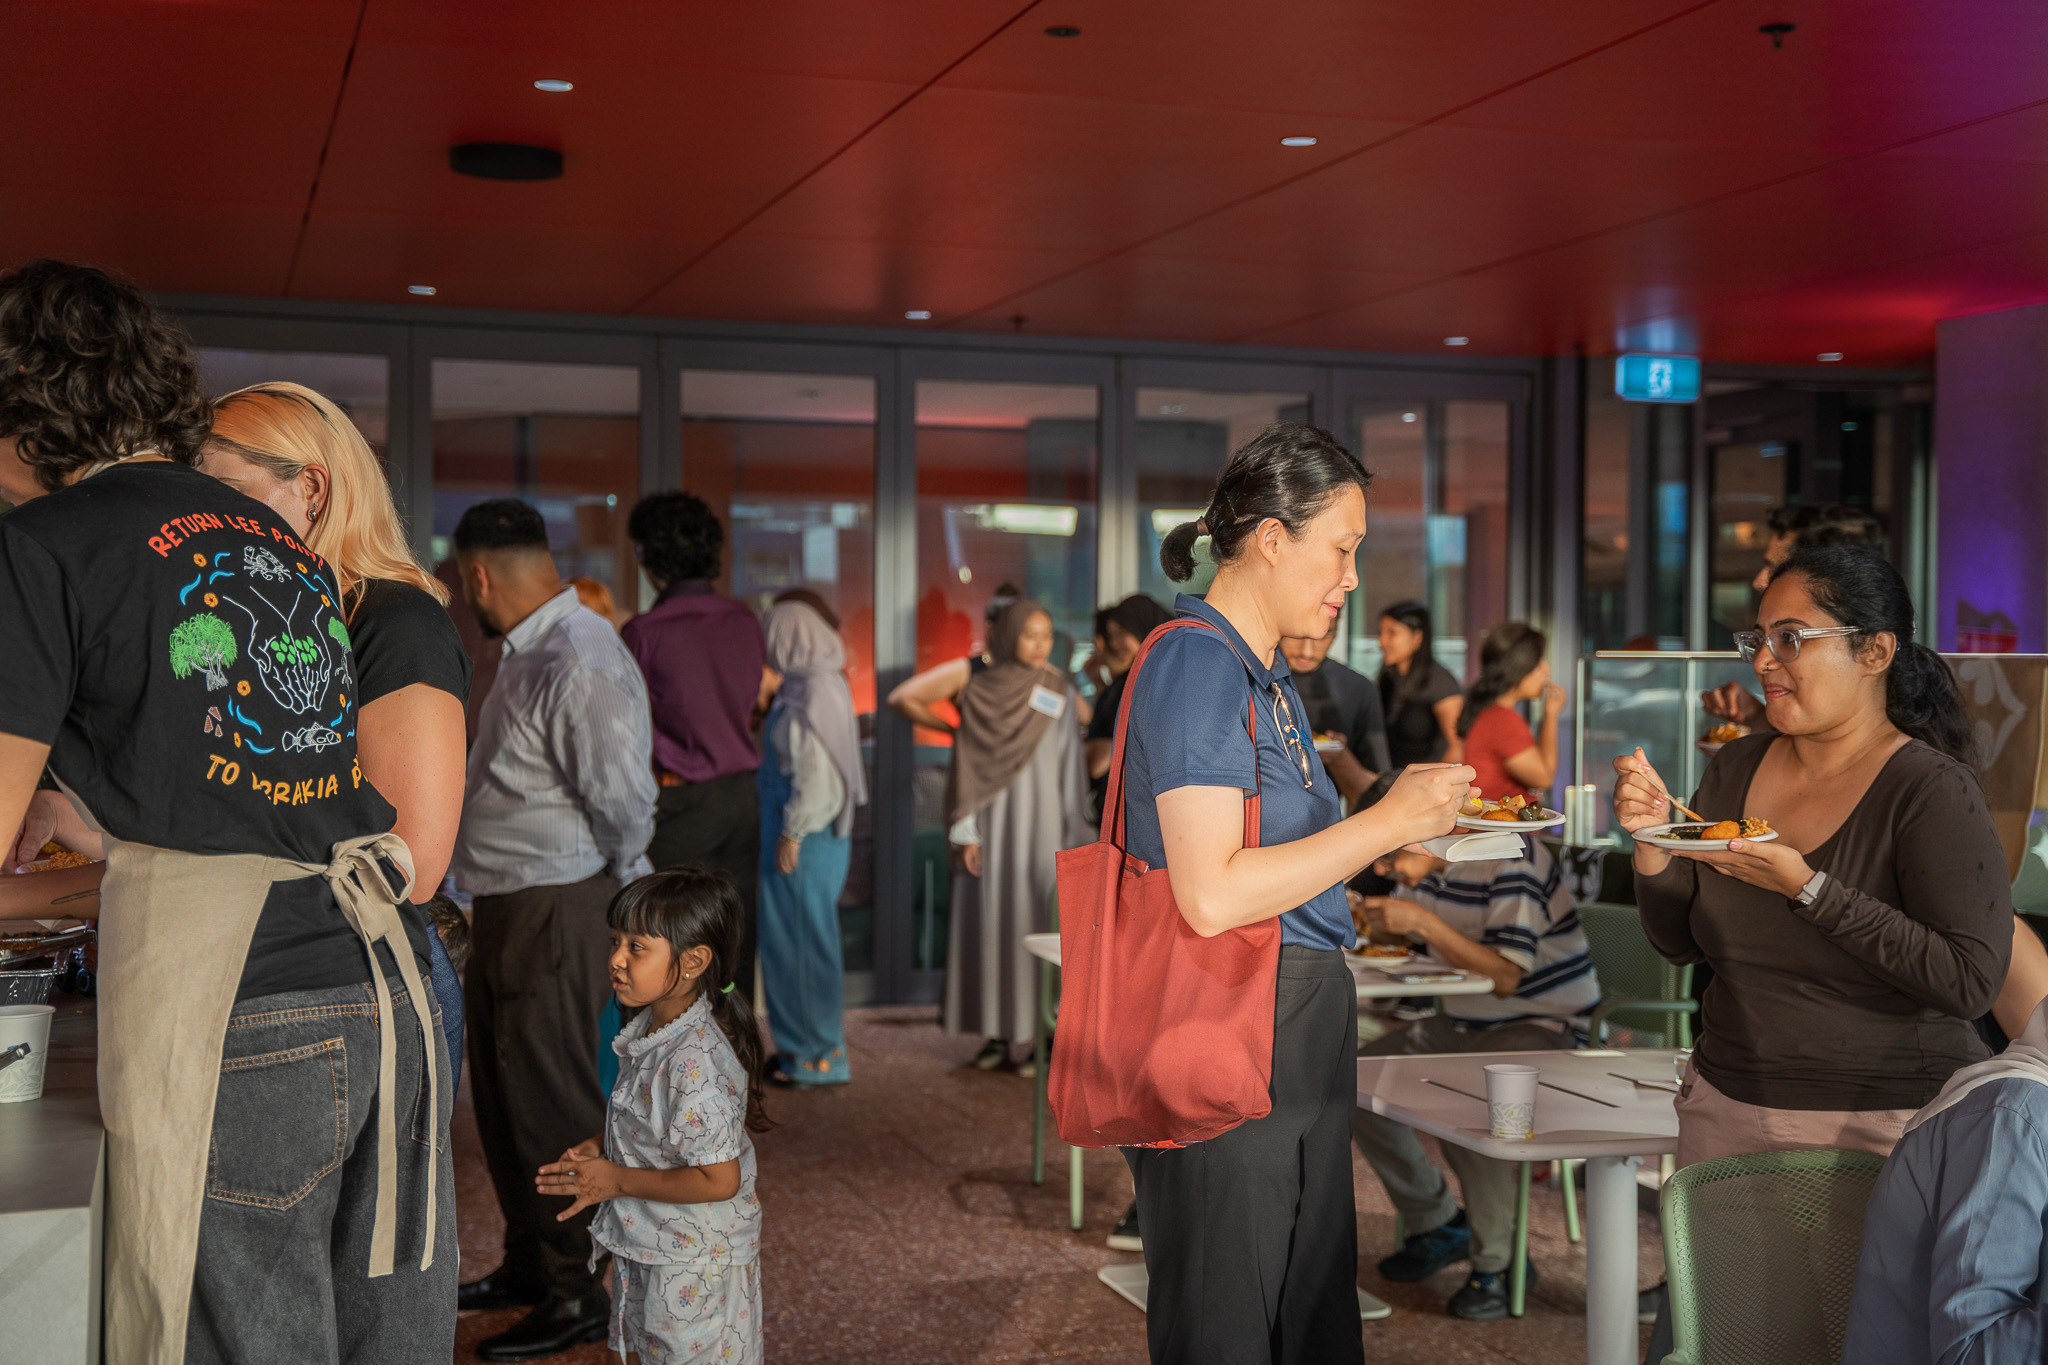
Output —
(203, 644)
(338, 631)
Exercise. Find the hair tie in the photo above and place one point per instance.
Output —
(726, 989)
(1201, 526)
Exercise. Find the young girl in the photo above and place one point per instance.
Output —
(674, 1168)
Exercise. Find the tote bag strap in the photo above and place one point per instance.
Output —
(1113, 800)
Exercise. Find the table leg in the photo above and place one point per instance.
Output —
(1611, 1334)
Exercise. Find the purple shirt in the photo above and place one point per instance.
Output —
(702, 656)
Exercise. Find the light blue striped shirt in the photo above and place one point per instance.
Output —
(1522, 910)
(561, 777)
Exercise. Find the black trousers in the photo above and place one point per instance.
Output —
(716, 825)
(1251, 1240)
(536, 984)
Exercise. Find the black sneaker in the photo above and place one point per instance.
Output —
(1425, 1253)
(1485, 1295)
(1126, 1238)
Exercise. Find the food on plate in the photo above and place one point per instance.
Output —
(1512, 808)
(55, 857)
(1724, 733)
(1745, 828)
(1384, 950)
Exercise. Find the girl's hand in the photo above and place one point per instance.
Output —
(1553, 700)
(1639, 799)
(1773, 865)
(970, 858)
(581, 1175)
(1425, 799)
(787, 851)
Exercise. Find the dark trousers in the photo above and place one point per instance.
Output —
(1251, 1239)
(536, 983)
(716, 825)
(291, 1190)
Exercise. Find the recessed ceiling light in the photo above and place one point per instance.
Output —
(554, 87)
(919, 314)
(419, 289)
(1828, 357)
(1407, 416)
(1457, 341)
(1063, 31)
(1297, 142)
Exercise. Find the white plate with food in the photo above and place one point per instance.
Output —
(1329, 744)
(1714, 740)
(1383, 957)
(1517, 813)
(1691, 836)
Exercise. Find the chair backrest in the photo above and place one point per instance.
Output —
(1761, 1255)
(1629, 968)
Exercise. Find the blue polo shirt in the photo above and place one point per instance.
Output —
(1187, 729)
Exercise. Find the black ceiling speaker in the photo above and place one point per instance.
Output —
(505, 161)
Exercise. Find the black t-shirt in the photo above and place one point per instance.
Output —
(180, 652)
(1343, 701)
(1102, 725)
(403, 636)
(1413, 736)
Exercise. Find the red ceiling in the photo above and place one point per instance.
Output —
(1533, 176)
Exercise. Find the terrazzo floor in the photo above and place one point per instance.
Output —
(901, 1226)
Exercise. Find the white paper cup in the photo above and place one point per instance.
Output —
(30, 1024)
(1511, 1100)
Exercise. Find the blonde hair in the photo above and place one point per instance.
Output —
(595, 595)
(284, 428)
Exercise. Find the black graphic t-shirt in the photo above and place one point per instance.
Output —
(181, 653)
(403, 636)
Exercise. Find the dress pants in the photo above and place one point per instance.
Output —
(1417, 1188)
(536, 983)
(716, 825)
(1251, 1239)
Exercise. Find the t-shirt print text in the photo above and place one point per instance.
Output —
(259, 636)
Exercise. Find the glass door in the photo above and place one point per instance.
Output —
(787, 461)
(1006, 506)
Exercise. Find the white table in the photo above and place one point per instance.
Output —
(1598, 1117)
(1373, 984)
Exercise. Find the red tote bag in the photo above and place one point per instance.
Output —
(1165, 1037)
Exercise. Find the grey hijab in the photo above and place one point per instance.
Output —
(812, 662)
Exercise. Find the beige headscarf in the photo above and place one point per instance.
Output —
(999, 728)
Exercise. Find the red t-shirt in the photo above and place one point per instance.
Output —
(1497, 736)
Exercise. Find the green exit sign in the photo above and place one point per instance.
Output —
(1657, 378)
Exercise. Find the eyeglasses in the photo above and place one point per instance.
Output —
(1784, 642)
(1290, 736)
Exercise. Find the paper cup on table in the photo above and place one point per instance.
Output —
(1511, 1100)
(24, 1026)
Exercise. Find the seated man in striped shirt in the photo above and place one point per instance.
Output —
(1513, 921)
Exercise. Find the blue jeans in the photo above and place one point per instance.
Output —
(802, 967)
(447, 988)
(291, 1189)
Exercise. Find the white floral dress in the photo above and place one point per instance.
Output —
(689, 1275)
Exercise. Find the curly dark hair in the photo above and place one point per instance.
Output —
(501, 524)
(678, 535)
(91, 371)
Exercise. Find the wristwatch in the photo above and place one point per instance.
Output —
(1811, 890)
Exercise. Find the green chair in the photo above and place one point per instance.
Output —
(1635, 980)
(1048, 1016)
(1761, 1253)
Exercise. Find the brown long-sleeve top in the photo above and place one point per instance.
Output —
(1863, 999)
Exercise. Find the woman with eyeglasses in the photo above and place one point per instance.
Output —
(1851, 952)
(1251, 1237)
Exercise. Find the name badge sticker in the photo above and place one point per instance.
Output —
(1047, 702)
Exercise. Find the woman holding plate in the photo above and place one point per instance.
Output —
(1851, 948)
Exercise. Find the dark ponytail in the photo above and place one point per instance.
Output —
(1288, 472)
(692, 908)
(1858, 586)
(1415, 685)
(1511, 653)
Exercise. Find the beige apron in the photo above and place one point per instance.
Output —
(174, 933)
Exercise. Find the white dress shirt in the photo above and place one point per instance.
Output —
(561, 778)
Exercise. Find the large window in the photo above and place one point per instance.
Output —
(1436, 524)
(360, 385)
(788, 463)
(1005, 498)
(1184, 438)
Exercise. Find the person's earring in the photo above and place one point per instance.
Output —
(313, 515)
